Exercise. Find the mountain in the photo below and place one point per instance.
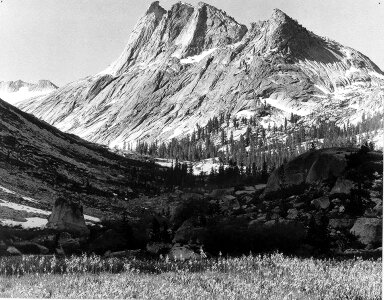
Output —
(39, 163)
(16, 91)
(186, 65)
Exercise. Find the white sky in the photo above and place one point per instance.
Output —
(64, 40)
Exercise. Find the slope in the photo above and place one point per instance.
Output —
(39, 163)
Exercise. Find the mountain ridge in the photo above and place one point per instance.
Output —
(19, 90)
(191, 63)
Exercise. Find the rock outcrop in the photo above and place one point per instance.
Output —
(67, 216)
(368, 231)
(310, 167)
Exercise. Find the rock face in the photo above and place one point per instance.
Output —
(368, 230)
(186, 65)
(67, 216)
(310, 167)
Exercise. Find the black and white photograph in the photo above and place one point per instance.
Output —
(226, 149)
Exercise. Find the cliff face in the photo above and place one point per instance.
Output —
(184, 66)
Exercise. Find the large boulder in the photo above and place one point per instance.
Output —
(13, 251)
(47, 240)
(342, 186)
(182, 253)
(110, 239)
(68, 216)
(69, 244)
(368, 230)
(321, 203)
(188, 232)
(341, 223)
(28, 247)
(157, 248)
(310, 167)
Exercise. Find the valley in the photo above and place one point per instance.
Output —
(236, 161)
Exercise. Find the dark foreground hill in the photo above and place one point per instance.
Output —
(40, 163)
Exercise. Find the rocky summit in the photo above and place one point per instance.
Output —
(186, 65)
(17, 91)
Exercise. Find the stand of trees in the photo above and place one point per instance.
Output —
(257, 150)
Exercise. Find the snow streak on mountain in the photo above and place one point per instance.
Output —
(184, 66)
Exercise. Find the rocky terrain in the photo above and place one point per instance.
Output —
(16, 91)
(304, 209)
(184, 66)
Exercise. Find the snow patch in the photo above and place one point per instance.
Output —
(21, 95)
(7, 191)
(34, 222)
(20, 207)
(197, 58)
(322, 88)
(376, 75)
(29, 209)
(283, 104)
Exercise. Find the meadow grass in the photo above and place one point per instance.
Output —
(273, 276)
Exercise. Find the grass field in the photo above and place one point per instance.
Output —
(250, 277)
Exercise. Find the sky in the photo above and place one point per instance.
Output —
(65, 40)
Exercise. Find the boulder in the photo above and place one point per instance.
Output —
(217, 193)
(342, 186)
(13, 251)
(28, 247)
(188, 232)
(109, 240)
(247, 199)
(126, 254)
(60, 251)
(69, 244)
(257, 222)
(228, 198)
(48, 241)
(260, 187)
(368, 230)
(299, 205)
(3, 246)
(240, 193)
(321, 203)
(250, 189)
(182, 253)
(310, 167)
(190, 196)
(229, 202)
(378, 209)
(293, 213)
(341, 223)
(67, 216)
(157, 248)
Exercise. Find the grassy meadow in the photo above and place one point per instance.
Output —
(272, 276)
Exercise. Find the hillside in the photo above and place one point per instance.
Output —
(190, 64)
(39, 163)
